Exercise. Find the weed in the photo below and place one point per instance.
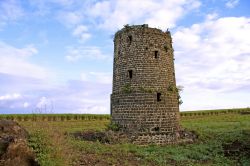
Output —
(216, 130)
(127, 88)
(38, 143)
(113, 126)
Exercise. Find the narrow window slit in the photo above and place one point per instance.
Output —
(156, 54)
(158, 96)
(130, 73)
(130, 39)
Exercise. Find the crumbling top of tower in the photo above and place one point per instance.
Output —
(127, 28)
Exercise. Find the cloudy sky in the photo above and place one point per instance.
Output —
(56, 55)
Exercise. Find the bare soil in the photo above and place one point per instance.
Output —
(106, 137)
(13, 145)
(114, 137)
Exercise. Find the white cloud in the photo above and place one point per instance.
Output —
(45, 105)
(14, 61)
(212, 58)
(114, 14)
(63, 2)
(73, 21)
(78, 53)
(10, 51)
(10, 10)
(232, 3)
(100, 77)
(46, 7)
(81, 32)
(84, 36)
(13, 96)
(80, 29)
(42, 102)
(211, 16)
(43, 36)
(87, 96)
(93, 110)
(26, 105)
(202, 100)
(70, 18)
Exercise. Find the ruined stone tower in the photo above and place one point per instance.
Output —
(144, 99)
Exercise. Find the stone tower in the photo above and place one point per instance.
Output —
(144, 99)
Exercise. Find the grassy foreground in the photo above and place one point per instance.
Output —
(224, 139)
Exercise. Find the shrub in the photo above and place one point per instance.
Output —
(113, 127)
(127, 88)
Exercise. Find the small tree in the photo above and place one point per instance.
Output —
(179, 90)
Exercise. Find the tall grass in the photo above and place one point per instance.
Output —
(77, 117)
(54, 117)
(216, 112)
(214, 133)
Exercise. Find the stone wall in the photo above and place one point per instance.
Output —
(144, 100)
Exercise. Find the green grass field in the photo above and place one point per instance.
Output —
(224, 139)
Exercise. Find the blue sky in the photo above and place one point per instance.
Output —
(56, 55)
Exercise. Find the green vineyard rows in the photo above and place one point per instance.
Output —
(72, 117)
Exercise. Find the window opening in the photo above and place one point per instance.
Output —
(156, 129)
(156, 54)
(130, 73)
(158, 96)
(130, 39)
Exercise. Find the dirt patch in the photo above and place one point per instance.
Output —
(245, 113)
(186, 136)
(239, 149)
(114, 159)
(92, 136)
(236, 149)
(109, 158)
(106, 137)
(12, 129)
(13, 145)
(114, 137)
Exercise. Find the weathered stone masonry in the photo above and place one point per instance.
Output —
(144, 100)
